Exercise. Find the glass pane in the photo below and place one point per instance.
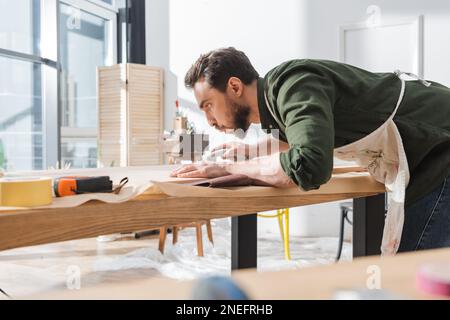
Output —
(21, 116)
(84, 46)
(20, 26)
(80, 153)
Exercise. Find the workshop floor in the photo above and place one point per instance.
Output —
(34, 270)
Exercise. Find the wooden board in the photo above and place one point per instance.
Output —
(397, 275)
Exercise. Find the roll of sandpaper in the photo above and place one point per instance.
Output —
(25, 192)
(434, 278)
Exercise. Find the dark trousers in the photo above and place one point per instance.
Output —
(427, 221)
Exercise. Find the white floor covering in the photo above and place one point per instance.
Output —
(181, 262)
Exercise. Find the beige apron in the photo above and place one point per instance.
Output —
(383, 154)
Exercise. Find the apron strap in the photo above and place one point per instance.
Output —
(400, 99)
(412, 75)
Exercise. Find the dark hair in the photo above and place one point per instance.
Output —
(218, 66)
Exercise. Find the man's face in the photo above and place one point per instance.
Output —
(222, 110)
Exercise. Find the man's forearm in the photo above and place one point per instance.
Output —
(267, 169)
(268, 147)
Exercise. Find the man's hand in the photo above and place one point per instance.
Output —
(236, 151)
(239, 151)
(200, 170)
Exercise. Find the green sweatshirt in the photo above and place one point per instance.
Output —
(320, 105)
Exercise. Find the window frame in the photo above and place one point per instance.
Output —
(111, 7)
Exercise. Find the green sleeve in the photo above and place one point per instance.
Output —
(305, 102)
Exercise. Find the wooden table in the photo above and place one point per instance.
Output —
(397, 276)
(35, 227)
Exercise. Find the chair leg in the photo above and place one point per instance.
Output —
(175, 235)
(341, 234)
(209, 231)
(280, 224)
(199, 240)
(287, 250)
(283, 223)
(162, 238)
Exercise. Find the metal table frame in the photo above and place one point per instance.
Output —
(368, 224)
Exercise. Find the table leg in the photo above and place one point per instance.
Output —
(368, 224)
(244, 242)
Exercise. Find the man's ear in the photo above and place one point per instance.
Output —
(235, 87)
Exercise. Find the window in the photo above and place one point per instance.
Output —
(20, 26)
(35, 77)
(20, 83)
(27, 71)
(87, 41)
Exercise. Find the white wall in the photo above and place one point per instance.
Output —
(271, 32)
(325, 17)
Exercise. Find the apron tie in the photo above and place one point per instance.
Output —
(412, 75)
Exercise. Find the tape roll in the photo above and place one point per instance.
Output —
(434, 278)
(25, 192)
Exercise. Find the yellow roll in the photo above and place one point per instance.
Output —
(25, 192)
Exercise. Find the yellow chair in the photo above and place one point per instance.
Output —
(284, 228)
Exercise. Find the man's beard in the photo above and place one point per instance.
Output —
(241, 121)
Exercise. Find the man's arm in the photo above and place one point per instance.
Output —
(266, 169)
(305, 101)
(270, 146)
